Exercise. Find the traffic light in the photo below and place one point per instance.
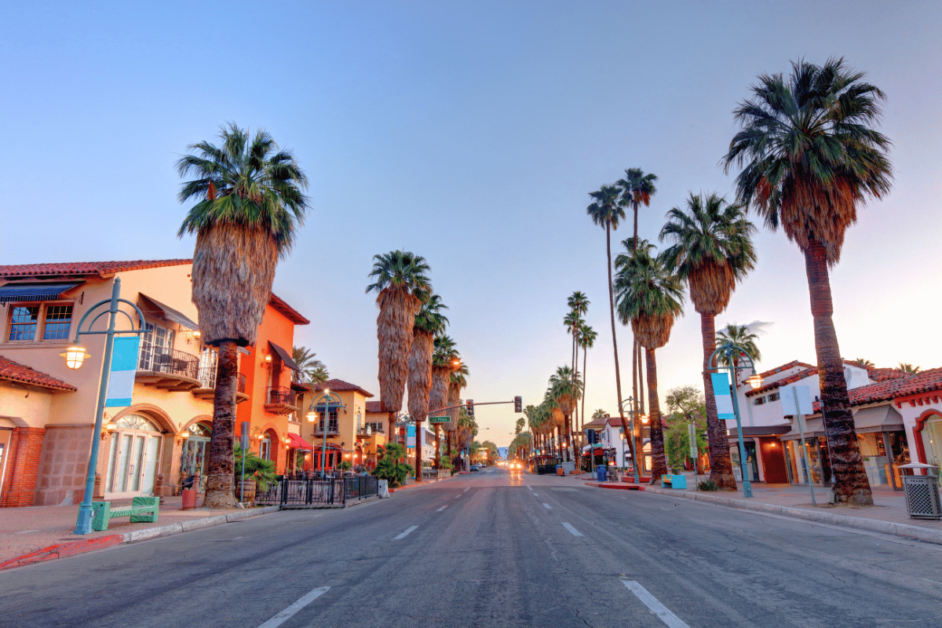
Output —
(469, 406)
(518, 404)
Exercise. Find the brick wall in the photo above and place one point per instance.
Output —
(19, 484)
(63, 465)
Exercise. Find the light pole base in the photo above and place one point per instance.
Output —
(83, 525)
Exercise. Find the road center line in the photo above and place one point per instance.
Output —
(530, 487)
(465, 490)
(572, 529)
(656, 607)
(547, 506)
(442, 508)
(457, 496)
(289, 612)
(405, 534)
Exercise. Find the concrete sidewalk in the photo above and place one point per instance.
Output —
(888, 514)
(39, 533)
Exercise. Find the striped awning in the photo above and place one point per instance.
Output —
(34, 291)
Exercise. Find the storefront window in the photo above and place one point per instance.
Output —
(932, 440)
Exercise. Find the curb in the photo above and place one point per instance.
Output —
(871, 525)
(618, 486)
(74, 548)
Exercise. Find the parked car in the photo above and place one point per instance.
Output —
(474, 468)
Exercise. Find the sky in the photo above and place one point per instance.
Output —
(470, 133)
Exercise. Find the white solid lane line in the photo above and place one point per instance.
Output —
(656, 607)
(405, 534)
(572, 529)
(547, 506)
(442, 508)
(289, 612)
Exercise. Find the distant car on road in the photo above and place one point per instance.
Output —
(474, 468)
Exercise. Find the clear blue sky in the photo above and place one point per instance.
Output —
(470, 133)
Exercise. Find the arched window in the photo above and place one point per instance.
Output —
(264, 448)
(136, 422)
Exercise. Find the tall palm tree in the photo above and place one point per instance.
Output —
(741, 336)
(428, 321)
(458, 380)
(249, 206)
(587, 338)
(651, 298)
(712, 251)
(578, 304)
(565, 390)
(445, 360)
(810, 156)
(401, 281)
(607, 211)
(637, 189)
(909, 369)
(308, 364)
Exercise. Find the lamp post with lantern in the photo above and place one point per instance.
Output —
(75, 356)
(326, 396)
(631, 418)
(737, 359)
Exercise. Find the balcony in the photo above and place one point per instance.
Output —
(168, 369)
(281, 401)
(207, 389)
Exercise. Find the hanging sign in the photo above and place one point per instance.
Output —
(438, 419)
(123, 370)
(724, 400)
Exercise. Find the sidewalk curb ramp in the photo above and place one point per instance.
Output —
(62, 550)
(872, 525)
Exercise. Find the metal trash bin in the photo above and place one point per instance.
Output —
(922, 491)
(601, 473)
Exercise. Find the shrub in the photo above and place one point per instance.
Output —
(262, 471)
(708, 485)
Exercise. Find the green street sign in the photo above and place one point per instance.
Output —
(438, 419)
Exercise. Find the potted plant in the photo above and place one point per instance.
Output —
(259, 475)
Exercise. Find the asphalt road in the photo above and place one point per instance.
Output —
(493, 549)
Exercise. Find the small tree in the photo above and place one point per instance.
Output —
(390, 468)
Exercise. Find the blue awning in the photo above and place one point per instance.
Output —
(34, 291)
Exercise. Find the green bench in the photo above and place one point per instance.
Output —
(142, 510)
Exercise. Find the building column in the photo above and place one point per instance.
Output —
(22, 467)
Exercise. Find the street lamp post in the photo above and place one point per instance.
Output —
(74, 358)
(312, 416)
(631, 425)
(728, 350)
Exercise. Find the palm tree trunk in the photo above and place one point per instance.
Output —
(636, 365)
(658, 459)
(393, 437)
(585, 353)
(438, 446)
(219, 477)
(721, 466)
(850, 479)
(611, 304)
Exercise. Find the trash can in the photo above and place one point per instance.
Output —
(601, 473)
(560, 470)
(922, 491)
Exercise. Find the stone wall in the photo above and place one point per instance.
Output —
(19, 483)
(63, 465)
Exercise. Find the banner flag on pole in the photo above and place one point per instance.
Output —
(721, 392)
(123, 369)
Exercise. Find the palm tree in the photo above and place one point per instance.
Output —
(587, 337)
(741, 336)
(712, 251)
(909, 369)
(429, 321)
(651, 298)
(637, 188)
(445, 359)
(320, 375)
(864, 362)
(249, 206)
(308, 364)
(578, 304)
(401, 281)
(810, 157)
(600, 413)
(565, 389)
(457, 381)
(608, 211)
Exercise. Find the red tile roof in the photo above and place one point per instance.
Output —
(374, 406)
(791, 379)
(927, 381)
(882, 375)
(338, 385)
(16, 372)
(785, 367)
(102, 269)
(293, 315)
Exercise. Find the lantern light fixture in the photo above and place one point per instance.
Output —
(74, 356)
(755, 381)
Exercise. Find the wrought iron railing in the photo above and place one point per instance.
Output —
(337, 491)
(171, 361)
(207, 377)
(284, 396)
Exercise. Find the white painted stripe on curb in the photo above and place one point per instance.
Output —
(656, 607)
(289, 612)
(572, 529)
(547, 506)
(442, 508)
(405, 534)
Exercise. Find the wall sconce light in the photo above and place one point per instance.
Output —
(267, 358)
(107, 429)
(193, 334)
(261, 436)
(183, 435)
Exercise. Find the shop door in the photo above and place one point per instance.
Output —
(133, 458)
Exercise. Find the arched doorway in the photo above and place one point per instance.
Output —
(929, 437)
(133, 457)
(193, 454)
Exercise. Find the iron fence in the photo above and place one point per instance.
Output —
(314, 493)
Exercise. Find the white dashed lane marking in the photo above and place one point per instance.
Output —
(547, 506)
(442, 508)
(289, 612)
(669, 618)
(572, 530)
(405, 534)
